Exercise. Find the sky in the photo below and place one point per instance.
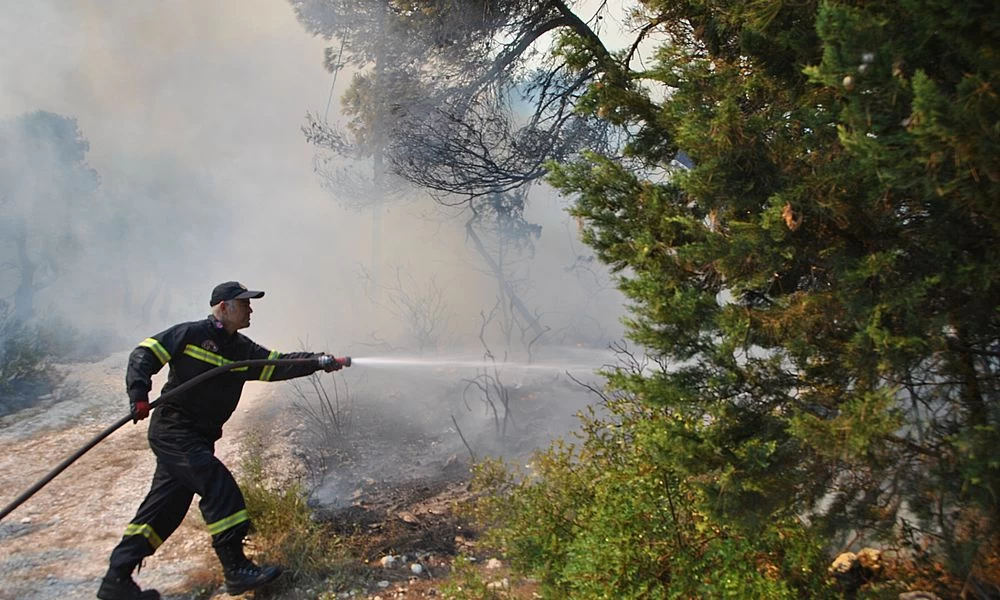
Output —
(193, 113)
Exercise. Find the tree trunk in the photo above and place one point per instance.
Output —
(519, 306)
(378, 166)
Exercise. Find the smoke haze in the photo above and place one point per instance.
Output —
(193, 112)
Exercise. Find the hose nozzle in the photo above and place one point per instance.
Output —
(325, 360)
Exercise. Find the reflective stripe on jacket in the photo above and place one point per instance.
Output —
(191, 349)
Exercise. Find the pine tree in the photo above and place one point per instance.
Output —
(822, 287)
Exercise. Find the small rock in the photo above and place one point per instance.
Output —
(494, 563)
(918, 596)
(389, 561)
(26, 520)
(416, 568)
(408, 517)
(503, 584)
(383, 584)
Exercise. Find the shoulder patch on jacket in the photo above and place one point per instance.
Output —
(210, 345)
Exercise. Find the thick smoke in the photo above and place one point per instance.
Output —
(192, 112)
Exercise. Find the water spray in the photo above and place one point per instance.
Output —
(463, 363)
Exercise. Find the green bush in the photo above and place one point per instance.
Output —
(22, 354)
(28, 351)
(611, 519)
(466, 583)
(25, 366)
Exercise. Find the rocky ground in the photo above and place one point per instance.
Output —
(389, 487)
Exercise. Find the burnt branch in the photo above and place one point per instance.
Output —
(421, 308)
(472, 454)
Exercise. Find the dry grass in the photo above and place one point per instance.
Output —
(201, 582)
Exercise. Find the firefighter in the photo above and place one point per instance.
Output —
(182, 435)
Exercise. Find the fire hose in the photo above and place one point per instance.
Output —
(322, 361)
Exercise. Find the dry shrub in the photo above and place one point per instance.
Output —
(202, 581)
(284, 530)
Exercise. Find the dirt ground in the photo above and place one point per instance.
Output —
(57, 543)
(388, 488)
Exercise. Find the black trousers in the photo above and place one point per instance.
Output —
(185, 465)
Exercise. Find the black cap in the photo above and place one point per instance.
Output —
(232, 290)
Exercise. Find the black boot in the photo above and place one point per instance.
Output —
(116, 586)
(241, 574)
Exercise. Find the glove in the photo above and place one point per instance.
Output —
(140, 409)
(329, 363)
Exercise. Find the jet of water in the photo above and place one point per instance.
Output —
(465, 363)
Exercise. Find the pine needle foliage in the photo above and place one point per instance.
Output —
(821, 291)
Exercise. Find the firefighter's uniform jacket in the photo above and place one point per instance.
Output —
(183, 431)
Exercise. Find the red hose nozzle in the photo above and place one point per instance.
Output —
(325, 361)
